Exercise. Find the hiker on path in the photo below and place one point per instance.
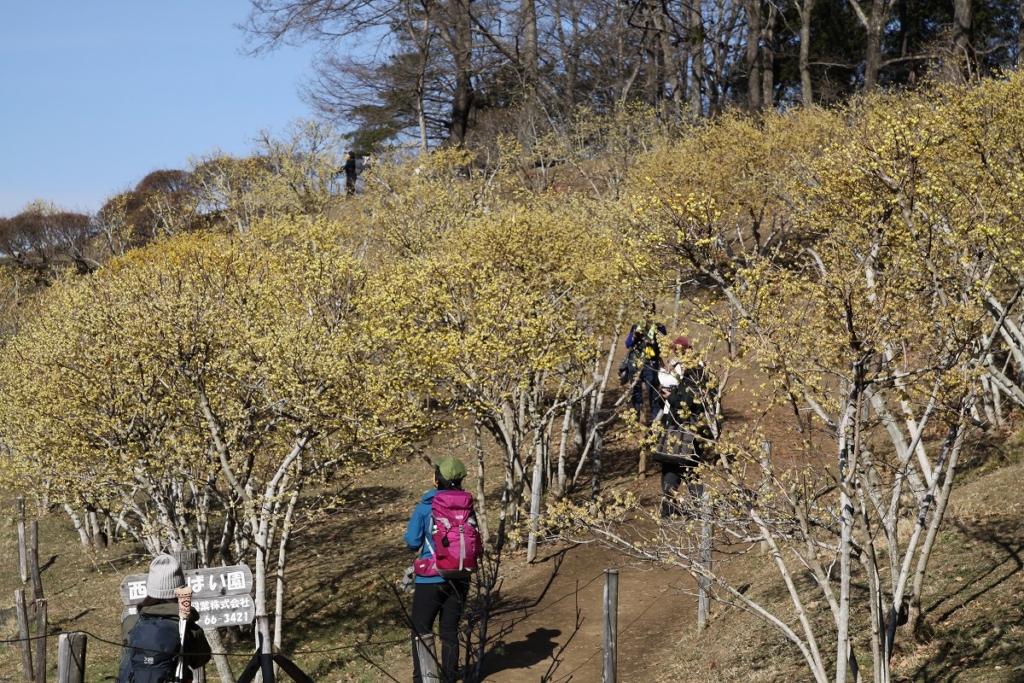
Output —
(351, 168)
(683, 444)
(150, 640)
(645, 361)
(434, 595)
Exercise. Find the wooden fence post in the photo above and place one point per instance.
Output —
(71, 658)
(189, 559)
(26, 644)
(611, 626)
(40, 640)
(22, 550)
(703, 582)
(765, 482)
(38, 601)
(427, 658)
(33, 560)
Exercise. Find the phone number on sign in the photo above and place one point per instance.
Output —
(225, 619)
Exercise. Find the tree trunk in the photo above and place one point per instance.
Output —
(93, 521)
(697, 62)
(282, 556)
(768, 58)
(423, 47)
(754, 101)
(220, 659)
(806, 88)
(536, 494)
(849, 446)
(481, 500)
(76, 520)
(506, 501)
(873, 57)
(530, 58)
(462, 98)
(914, 620)
(962, 35)
(1020, 33)
(563, 442)
(670, 64)
(421, 114)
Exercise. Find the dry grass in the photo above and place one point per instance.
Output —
(342, 569)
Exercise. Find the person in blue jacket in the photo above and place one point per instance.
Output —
(645, 361)
(434, 595)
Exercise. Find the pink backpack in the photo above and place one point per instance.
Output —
(455, 541)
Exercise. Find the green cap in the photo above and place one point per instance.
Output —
(452, 469)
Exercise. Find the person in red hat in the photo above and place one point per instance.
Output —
(679, 345)
(682, 446)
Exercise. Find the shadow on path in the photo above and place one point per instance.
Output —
(538, 646)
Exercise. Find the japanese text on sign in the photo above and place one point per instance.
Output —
(137, 590)
(231, 581)
(215, 582)
(216, 612)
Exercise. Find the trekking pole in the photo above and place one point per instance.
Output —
(184, 596)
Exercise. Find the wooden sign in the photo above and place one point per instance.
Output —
(215, 582)
(214, 613)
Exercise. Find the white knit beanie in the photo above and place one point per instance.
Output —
(164, 576)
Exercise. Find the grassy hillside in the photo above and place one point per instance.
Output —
(346, 623)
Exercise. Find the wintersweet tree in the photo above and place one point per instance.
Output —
(510, 311)
(286, 176)
(412, 206)
(875, 340)
(192, 389)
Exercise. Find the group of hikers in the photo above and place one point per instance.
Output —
(443, 527)
(680, 398)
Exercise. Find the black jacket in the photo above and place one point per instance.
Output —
(351, 167)
(688, 405)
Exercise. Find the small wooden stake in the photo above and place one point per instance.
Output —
(40, 640)
(22, 549)
(703, 582)
(26, 644)
(33, 560)
(611, 625)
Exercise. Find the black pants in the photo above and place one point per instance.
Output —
(672, 476)
(648, 384)
(429, 600)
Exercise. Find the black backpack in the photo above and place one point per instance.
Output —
(677, 446)
(624, 369)
(153, 651)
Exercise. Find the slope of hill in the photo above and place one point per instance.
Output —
(346, 623)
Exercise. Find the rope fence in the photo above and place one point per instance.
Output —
(11, 641)
(357, 646)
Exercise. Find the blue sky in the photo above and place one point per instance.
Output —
(95, 94)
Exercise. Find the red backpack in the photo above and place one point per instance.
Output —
(455, 541)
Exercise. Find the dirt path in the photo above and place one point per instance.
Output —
(559, 633)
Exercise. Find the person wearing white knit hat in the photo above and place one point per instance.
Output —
(150, 639)
(164, 576)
